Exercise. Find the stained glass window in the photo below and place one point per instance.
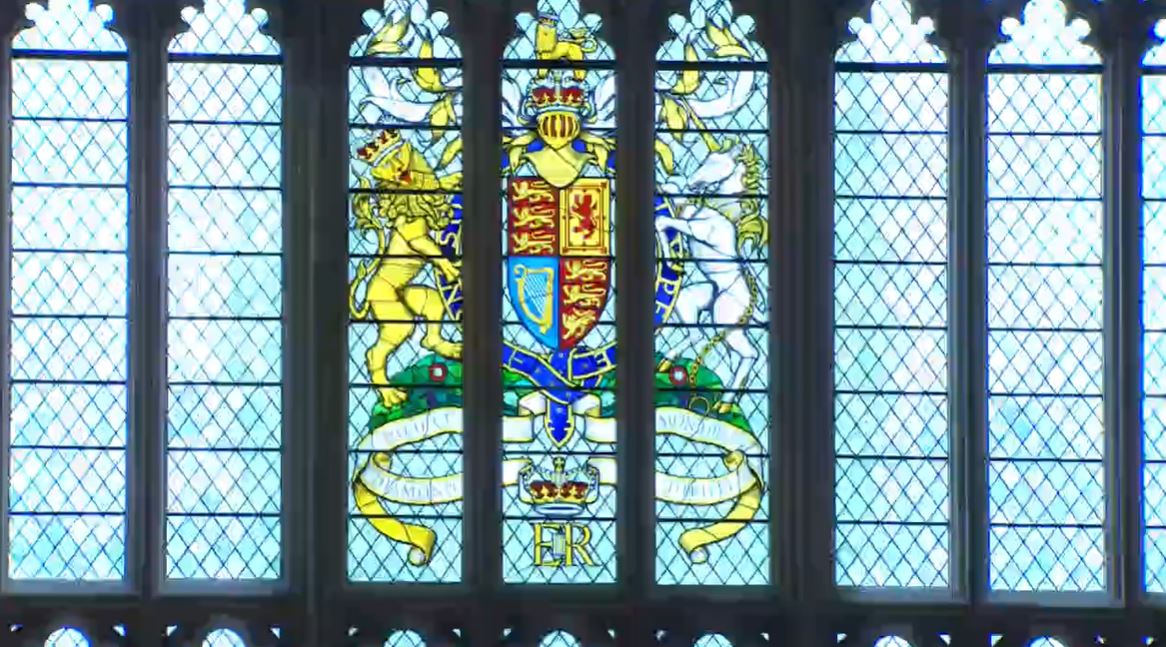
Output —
(68, 333)
(67, 637)
(1044, 228)
(558, 329)
(223, 638)
(404, 639)
(225, 300)
(405, 297)
(890, 304)
(1154, 310)
(712, 300)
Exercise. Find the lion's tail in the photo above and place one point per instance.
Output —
(363, 271)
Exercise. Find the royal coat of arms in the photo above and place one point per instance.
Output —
(559, 351)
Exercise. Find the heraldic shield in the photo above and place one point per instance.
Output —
(559, 256)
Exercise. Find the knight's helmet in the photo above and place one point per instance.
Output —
(559, 108)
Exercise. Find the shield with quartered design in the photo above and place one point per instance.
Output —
(559, 256)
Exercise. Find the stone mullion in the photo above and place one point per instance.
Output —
(338, 23)
(482, 33)
(1122, 37)
(632, 27)
(965, 28)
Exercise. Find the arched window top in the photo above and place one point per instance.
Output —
(710, 32)
(223, 638)
(712, 640)
(1044, 36)
(405, 638)
(69, 25)
(1156, 55)
(67, 637)
(892, 641)
(559, 31)
(406, 29)
(1045, 641)
(558, 638)
(224, 27)
(891, 36)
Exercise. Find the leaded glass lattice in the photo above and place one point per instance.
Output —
(405, 298)
(1044, 226)
(712, 300)
(223, 638)
(224, 269)
(66, 637)
(890, 304)
(68, 331)
(1154, 311)
(558, 328)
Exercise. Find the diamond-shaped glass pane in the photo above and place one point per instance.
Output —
(67, 471)
(223, 638)
(890, 305)
(405, 301)
(1044, 303)
(67, 637)
(1154, 316)
(404, 638)
(558, 329)
(225, 274)
(558, 639)
(712, 301)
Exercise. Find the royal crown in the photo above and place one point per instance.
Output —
(557, 97)
(560, 493)
(383, 144)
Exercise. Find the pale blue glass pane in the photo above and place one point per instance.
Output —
(890, 101)
(892, 641)
(69, 349)
(215, 220)
(878, 554)
(69, 25)
(67, 477)
(890, 306)
(1043, 35)
(906, 230)
(235, 286)
(69, 152)
(69, 219)
(225, 155)
(226, 92)
(558, 639)
(891, 36)
(1044, 103)
(1057, 558)
(223, 547)
(890, 360)
(224, 417)
(68, 414)
(70, 480)
(223, 350)
(64, 284)
(67, 546)
(1045, 302)
(65, 88)
(1154, 316)
(67, 637)
(404, 639)
(883, 164)
(712, 640)
(225, 299)
(224, 27)
(223, 638)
